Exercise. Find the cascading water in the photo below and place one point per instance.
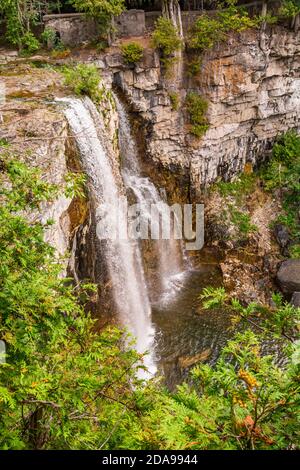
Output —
(122, 256)
(170, 252)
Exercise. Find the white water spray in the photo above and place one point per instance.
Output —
(170, 252)
(123, 257)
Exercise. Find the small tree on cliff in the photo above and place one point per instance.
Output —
(102, 10)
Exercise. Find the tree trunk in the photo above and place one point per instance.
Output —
(171, 10)
(264, 9)
(295, 24)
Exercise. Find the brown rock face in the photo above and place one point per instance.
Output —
(38, 134)
(252, 87)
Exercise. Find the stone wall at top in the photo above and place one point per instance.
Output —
(75, 28)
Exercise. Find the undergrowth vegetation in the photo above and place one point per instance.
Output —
(64, 385)
(166, 39)
(282, 174)
(196, 107)
(84, 79)
(208, 30)
(132, 52)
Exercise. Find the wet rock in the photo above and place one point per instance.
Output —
(288, 276)
(282, 236)
(295, 300)
(188, 361)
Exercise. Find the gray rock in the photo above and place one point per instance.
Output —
(282, 235)
(295, 300)
(288, 276)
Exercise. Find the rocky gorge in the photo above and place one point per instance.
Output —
(252, 86)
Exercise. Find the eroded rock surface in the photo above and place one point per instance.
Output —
(253, 90)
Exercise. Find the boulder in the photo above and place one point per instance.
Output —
(282, 236)
(288, 276)
(295, 300)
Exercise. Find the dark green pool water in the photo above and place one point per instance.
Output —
(184, 331)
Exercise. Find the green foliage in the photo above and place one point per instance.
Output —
(197, 107)
(294, 251)
(48, 36)
(165, 37)
(97, 8)
(132, 52)
(205, 33)
(75, 185)
(174, 99)
(84, 80)
(244, 402)
(282, 173)
(267, 19)
(63, 385)
(213, 297)
(289, 8)
(29, 43)
(101, 45)
(194, 66)
(208, 30)
(50, 39)
(102, 10)
(243, 185)
(20, 16)
(242, 221)
(235, 194)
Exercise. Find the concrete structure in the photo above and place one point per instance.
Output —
(130, 23)
(74, 29)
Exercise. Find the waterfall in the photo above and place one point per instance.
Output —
(122, 257)
(170, 252)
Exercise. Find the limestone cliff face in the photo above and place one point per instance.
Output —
(254, 95)
(38, 133)
(252, 84)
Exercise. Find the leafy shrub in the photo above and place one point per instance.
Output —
(294, 251)
(48, 36)
(165, 37)
(240, 187)
(101, 45)
(282, 173)
(213, 297)
(197, 106)
(208, 30)
(75, 185)
(289, 8)
(205, 33)
(61, 379)
(132, 52)
(174, 98)
(29, 43)
(194, 67)
(84, 80)
(242, 221)
(51, 39)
